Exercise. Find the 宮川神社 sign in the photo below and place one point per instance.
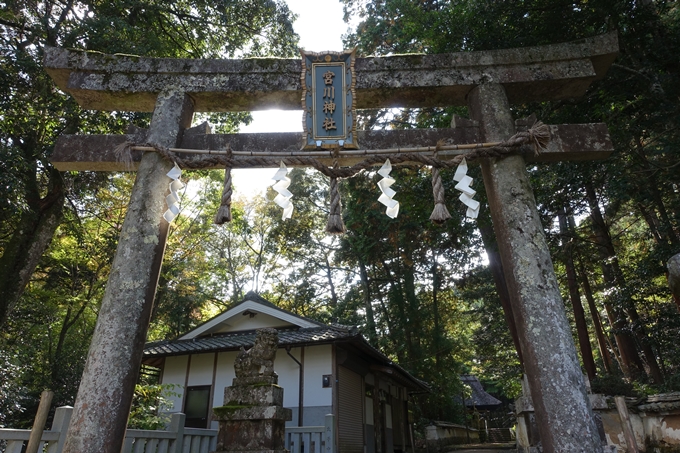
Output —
(328, 100)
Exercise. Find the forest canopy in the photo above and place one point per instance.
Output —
(423, 293)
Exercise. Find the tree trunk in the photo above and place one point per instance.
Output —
(331, 285)
(400, 326)
(575, 297)
(631, 363)
(491, 247)
(28, 243)
(666, 230)
(674, 277)
(652, 223)
(370, 317)
(614, 279)
(412, 322)
(597, 322)
(435, 314)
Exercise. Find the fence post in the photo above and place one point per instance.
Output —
(213, 442)
(127, 444)
(329, 434)
(62, 418)
(177, 427)
(628, 432)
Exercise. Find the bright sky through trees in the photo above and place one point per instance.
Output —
(320, 27)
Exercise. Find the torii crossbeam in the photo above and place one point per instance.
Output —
(487, 82)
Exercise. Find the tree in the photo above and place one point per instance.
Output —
(48, 335)
(404, 293)
(637, 100)
(49, 300)
(35, 112)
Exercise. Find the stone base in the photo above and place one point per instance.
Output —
(251, 436)
(252, 413)
(260, 395)
(255, 380)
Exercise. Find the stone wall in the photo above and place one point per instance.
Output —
(439, 435)
(654, 423)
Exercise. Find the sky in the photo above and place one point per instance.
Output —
(320, 27)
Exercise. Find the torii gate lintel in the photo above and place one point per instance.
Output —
(568, 142)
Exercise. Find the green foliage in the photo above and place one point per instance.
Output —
(419, 292)
(35, 113)
(613, 385)
(11, 392)
(637, 188)
(405, 295)
(49, 292)
(494, 357)
(151, 404)
(48, 334)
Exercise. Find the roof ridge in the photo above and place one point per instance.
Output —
(253, 296)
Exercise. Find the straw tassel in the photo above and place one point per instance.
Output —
(539, 134)
(335, 224)
(123, 153)
(224, 212)
(440, 214)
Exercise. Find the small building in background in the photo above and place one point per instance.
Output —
(324, 369)
(479, 399)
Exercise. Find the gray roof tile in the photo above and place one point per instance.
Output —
(234, 341)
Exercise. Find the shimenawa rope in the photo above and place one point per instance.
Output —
(536, 137)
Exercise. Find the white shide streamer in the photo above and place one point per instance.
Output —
(281, 188)
(464, 182)
(172, 200)
(387, 193)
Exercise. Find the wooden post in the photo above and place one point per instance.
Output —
(329, 434)
(39, 421)
(377, 416)
(565, 419)
(105, 394)
(626, 425)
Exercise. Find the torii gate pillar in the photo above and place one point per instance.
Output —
(112, 366)
(557, 385)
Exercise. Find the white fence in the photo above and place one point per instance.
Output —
(177, 439)
(52, 441)
(311, 439)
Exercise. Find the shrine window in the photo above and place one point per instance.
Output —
(196, 406)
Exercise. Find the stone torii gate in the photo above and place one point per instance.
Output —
(487, 82)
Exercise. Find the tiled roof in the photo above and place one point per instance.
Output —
(153, 352)
(253, 297)
(234, 341)
(665, 402)
(296, 336)
(479, 398)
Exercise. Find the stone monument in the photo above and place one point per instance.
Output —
(253, 417)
